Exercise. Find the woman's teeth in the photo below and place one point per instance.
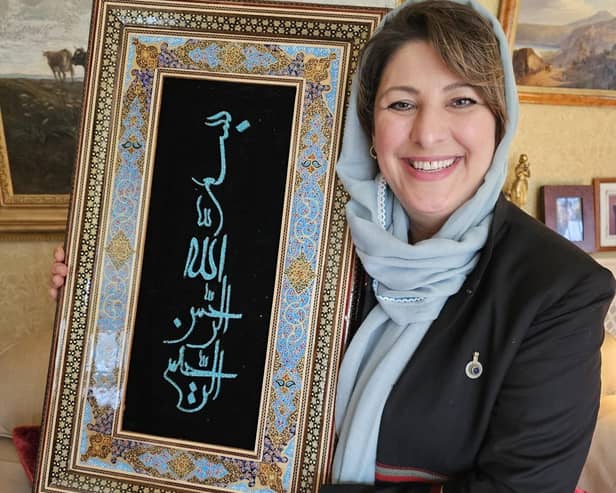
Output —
(432, 165)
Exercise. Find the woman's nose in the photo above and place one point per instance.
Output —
(429, 126)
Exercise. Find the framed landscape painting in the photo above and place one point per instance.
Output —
(211, 278)
(42, 64)
(563, 54)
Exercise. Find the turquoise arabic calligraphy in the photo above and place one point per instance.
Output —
(197, 372)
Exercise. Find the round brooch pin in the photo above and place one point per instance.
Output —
(474, 368)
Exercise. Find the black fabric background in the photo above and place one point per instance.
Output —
(252, 199)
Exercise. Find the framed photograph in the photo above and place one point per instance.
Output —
(609, 262)
(562, 55)
(605, 212)
(41, 87)
(568, 210)
(211, 276)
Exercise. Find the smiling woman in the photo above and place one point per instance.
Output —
(482, 321)
(430, 136)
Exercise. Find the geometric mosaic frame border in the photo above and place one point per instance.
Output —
(314, 45)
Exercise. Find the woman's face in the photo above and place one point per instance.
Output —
(433, 135)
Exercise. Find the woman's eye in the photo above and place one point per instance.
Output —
(462, 102)
(401, 106)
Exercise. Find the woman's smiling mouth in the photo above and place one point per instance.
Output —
(432, 165)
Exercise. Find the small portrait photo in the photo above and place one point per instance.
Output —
(612, 213)
(605, 211)
(569, 210)
(569, 221)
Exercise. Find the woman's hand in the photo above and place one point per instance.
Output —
(58, 272)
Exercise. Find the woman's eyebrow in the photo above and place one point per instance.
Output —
(409, 89)
(458, 85)
(413, 90)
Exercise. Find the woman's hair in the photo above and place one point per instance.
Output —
(464, 40)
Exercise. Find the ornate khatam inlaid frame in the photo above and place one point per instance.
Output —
(136, 47)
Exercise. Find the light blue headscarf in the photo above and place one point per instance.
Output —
(411, 282)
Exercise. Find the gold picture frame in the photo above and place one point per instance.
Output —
(27, 213)
(542, 80)
(212, 280)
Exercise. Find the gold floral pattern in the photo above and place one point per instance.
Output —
(300, 273)
(120, 250)
(181, 465)
(270, 476)
(100, 446)
(317, 69)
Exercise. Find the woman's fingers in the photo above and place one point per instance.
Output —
(58, 254)
(59, 270)
(57, 281)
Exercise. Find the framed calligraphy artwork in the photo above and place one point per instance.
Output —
(562, 55)
(211, 277)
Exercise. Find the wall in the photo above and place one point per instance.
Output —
(565, 145)
(25, 305)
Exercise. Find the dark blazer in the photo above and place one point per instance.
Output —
(533, 309)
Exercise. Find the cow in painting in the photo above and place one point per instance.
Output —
(80, 57)
(60, 62)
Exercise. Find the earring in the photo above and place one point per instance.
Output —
(372, 152)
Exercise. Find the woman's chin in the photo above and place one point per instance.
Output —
(431, 210)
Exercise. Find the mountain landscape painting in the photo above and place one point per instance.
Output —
(566, 44)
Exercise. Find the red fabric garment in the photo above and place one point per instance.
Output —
(26, 440)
